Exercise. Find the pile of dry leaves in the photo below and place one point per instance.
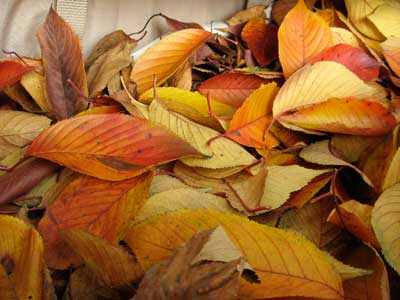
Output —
(262, 162)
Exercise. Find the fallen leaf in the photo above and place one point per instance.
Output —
(176, 25)
(346, 116)
(353, 58)
(251, 120)
(391, 51)
(164, 58)
(221, 153)
(319, 153)
(302, 35)
(356, 218)
(182, 198)
(18, 129)
(21, 259)
(393, 173)
(374, 286)
(163, 183)
(344, 36)
(358, 11)
(385, 18)
(262, 40)
(310, 220)
(182, 277)
(182, 78)
(34, 83)
(231, 88)
(278, 257)
(11, 72)
(334, 81)
(282, 7)
(62, 60)
(386, 222)
(245, 15)
(110, 263)
(102, 208)
(110, 146)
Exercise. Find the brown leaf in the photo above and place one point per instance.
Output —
(282, 7)
(181, 277)
(11, 72)
(62, 61)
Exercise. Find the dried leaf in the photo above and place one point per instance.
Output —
(11, 72)
(391, 51)
(164, 58)
(277, 256)
(386, 224)
(102, 208)
(393, 173)
(386, 18)
(356, 218)
(353, 58)
(62, 60)
(282, 7)
(222, 153)
(302, 35)
(21, 259)
(245, 15)
(111, 146)
(231, 88)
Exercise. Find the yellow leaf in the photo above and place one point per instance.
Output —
(319, 153)
(344, 36)
(182, 198)
(21, 256)
(302, 35)
(33, 82)
(164, 57)
(386, 18)
(281, 181)
(18, 129)
(358, 11)
(286, 264)
(393, 174)
(162, 183)
(110, 263)
(222, 153)
(386, 224)
(391, 51)
(192, 105)
(317, 83)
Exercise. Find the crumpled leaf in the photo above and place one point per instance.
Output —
(18, 129)
(182, 198)
(102, 208)
(386, 224)
(164, 58)
(21, 260)
(356, 218)
(11, 72)
(302, 35)
(278, 257)
(317, 83)
(353, 58)
(221, 153)
(231, 88)
(109, 146)
(62, 60)
(113, 265)
(182, 276)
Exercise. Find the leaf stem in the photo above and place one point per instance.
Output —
(146, 24)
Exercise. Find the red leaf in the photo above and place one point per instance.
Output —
(262, 40)
(354, 59)
(231, 88)
(62, 60)
(11, 72)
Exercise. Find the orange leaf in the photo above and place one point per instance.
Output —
(231, 88)
(391, 51)
(62, 60)
(262, 40)
(349, 116)
(356, 218)
(166, 56)
(102, 208)
(354, 59)
(11, 72)
(251, 120)
(302, 35)
(111, 146)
